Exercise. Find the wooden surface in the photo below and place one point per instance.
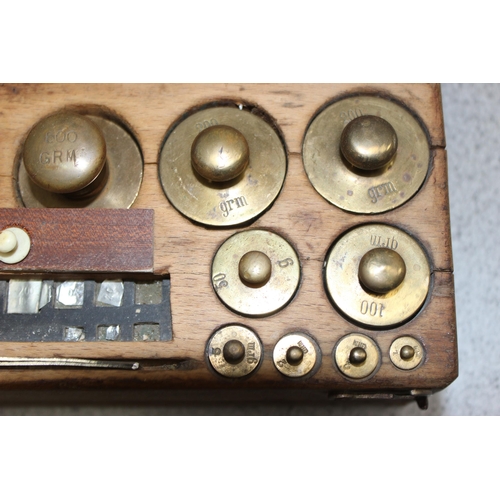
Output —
(83, 241)
(185, 250)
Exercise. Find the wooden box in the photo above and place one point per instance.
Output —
(182, 252)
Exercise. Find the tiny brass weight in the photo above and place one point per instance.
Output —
(222, 166)
(296, 355)
(366, 154)
(234, 351)
(377, 275)
(71, 160)
(407, 353)
(255, 272)
(356, 356)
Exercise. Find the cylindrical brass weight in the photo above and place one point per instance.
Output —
(356, 356)
(407, 353)
(234, 351)
(366, 154)
(75, 161)
(377, 275)
(296, 355)
(255, 272)
(222, 166)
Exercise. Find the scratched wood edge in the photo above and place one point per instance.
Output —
(185, 250)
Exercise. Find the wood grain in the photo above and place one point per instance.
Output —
(83, 241)
(184, 250)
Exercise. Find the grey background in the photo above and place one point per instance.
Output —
(472, 121)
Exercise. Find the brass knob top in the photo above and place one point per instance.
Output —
(381, 270)
(294, 355)
(357, 356)
(64, 153)
(255, 269)
(233, 351)
(369, 142)
(407, 352)
(220, 153)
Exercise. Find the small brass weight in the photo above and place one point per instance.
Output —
(234, 351)
(256, 272)
(71, 160)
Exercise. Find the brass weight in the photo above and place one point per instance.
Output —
(222, 166)
(255, 272)
(75, 161)
(377, 275)
(296, 355)
(356, 355)
(407, 353)
(234, 351)
(366, 154)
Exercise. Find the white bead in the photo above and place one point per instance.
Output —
(19, 251)
(8, 241)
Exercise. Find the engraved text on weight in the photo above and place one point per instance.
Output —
(228, 205)
(60, 155)
(380, 191)
(384, 242)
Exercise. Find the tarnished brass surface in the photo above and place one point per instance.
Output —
(407, 353)
(233, 352)
(350, 187)
(296, 355)
(119, 181)
(238, 359)
(356, 355)
(253, 300)
(359, 303)
(381, 270)
(222, 203)
(220, 153)
(369, 142)
(64, 152)
(255, 269)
